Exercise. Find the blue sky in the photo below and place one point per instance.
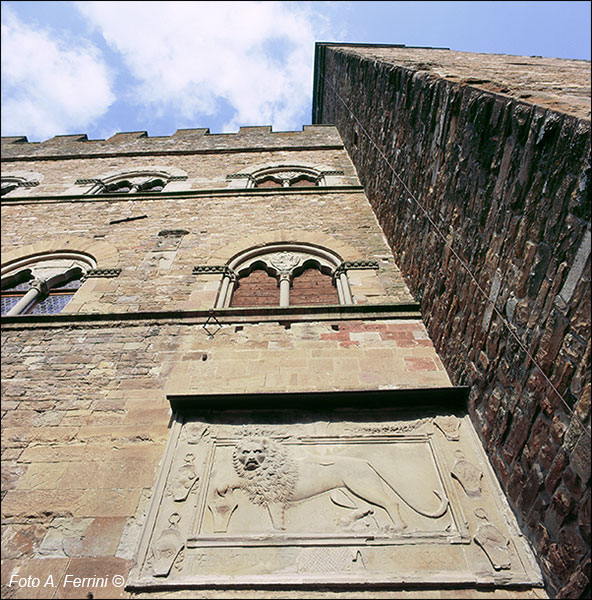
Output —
(103, 67)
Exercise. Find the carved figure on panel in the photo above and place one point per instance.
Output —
(186, 479)
(468, 475)
(272, 478)
(493, 542)
(196, 432)
(449, 426)
(222, 505)
(167, 547)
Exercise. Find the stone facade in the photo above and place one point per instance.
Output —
(477, 167)
(109, 405)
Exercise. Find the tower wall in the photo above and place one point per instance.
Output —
(477, 167)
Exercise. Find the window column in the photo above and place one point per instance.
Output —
(38, 288)
(226, 289)
(284, 289)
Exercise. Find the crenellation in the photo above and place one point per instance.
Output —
(125, 136)
(183, 141)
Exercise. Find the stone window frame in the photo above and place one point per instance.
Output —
(283, 174)
(139, 181)
(98, 258)
(9, 183)
(284, 261)
(76, 265)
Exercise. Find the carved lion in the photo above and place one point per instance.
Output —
(272, 478)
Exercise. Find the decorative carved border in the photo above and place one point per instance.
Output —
(212, 269)
(102, 273)
(360, 264)
(88, 182)
(238, 176)
(349, 265)
(95, 181)
(28, 184)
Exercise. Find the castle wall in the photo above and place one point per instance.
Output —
(86, 412)
(157, 271)
(86, 418)
(477, 167)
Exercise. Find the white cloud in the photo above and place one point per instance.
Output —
(187, 56)
(49, 86)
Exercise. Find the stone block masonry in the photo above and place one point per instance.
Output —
(477, 167)
(86, 419)
(86, 406)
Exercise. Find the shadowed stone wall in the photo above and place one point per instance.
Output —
(477, 167)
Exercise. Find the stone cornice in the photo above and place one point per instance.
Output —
(226, 316)
(139, 197)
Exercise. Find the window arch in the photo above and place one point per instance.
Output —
(271, 175)
(43, 283)
(284, 274)
(286, 176)
(140, 181)
(10, 183)
(131, 183)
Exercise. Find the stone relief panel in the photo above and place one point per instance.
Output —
(381, 502)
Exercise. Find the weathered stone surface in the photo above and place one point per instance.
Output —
(85, 392)
(325, 502)
(489, 168)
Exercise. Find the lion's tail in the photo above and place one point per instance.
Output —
(440, 511)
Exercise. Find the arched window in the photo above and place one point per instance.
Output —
(152, 185)
(43, 284)
(304, 181)
(10, 183)
(256, 287)
(137, 182)
(312, 284)
(286, 177)
(284, 275)
(130, 185)
(118, 187)
(269, 182)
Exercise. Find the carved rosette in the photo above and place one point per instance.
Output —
(284, 262)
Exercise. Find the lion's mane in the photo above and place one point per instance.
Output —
(274, 479)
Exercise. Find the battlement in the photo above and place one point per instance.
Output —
(183, 140)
